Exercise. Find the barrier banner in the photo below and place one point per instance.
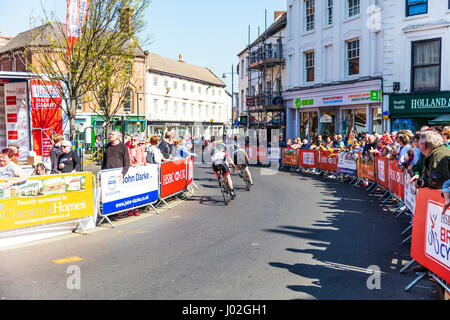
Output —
(430, 244)
(396, 179)
(309, 158)
(347, 164)
(382, 171)
(290, 157)
(46, 199)
(190, 170)
(262, 154)
(328, 161)
(273, 155)
(366, 168)
(173, 177)
(138, 187)
(252, 153)
(410, 193)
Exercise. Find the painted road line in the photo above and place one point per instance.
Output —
(67, 260)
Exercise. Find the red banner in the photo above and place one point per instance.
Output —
(46, 115)
(328, 161)
(289, 157)
(382, 165)
(396, 179)
(309, 158)
(430, 244)
(173, 177)
(76, 17)
(366, 168)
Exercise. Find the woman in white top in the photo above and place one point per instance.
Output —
(154, 155)
(10, 170)
(403, 156)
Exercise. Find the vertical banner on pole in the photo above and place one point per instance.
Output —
(76, 17)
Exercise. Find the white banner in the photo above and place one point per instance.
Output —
(16, 114)
(138, 187)
(437, 235)
(274, 154)
(76, 16)
(347, 164)
(410, 193)
(308, 158)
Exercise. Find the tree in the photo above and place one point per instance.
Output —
(110, 33)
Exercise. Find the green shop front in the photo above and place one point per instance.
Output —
(128, 124)
(414, 110)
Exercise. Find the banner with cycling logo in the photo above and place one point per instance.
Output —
(173, 178)
(430, 245)
(347, 164)
(328, 161)
(137, 188)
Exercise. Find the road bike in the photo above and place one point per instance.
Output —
(244, 175)
(224, 188)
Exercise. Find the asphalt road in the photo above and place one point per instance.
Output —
(291, 237)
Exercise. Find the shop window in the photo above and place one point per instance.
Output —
(426, 65)
(329, 13)
(327, 123)
(360, 120)
(309, 15)
(313, 124)
(377, 121)
(353, 57)
(309, 66)
(415, 7)
(347, 123)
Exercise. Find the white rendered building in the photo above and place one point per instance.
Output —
(334, 67)
(187, 99)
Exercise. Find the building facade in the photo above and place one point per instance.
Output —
(415, 74)
(186, 99)
(262, 75)
(334, 67)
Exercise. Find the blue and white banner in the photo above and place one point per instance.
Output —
(347, 164)
(137, 188)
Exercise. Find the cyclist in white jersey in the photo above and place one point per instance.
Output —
(219, 157)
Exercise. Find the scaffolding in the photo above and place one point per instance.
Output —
(265, 62)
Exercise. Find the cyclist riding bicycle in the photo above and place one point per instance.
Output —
(240, 157)
(219, 157)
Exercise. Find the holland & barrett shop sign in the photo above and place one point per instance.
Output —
(420, 103)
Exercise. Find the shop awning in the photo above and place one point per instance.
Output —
(444, 119)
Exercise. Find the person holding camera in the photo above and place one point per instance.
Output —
(436, 168)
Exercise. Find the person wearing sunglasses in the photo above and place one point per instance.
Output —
(68, 161)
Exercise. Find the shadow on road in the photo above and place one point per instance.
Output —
(354, 236)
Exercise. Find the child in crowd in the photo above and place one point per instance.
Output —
(39, 170)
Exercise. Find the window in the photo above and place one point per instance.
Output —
(175, 85)
(166, 107)
(184, 109)
(353, 8)
(155, 106)
(242, 67)
(184, 86)
(415, 7)
(175, 108)
(329, 13)
(309, 15)
(426, 65)
(166, 84)
(353, 57)
(155, 81)
(192, 89)
(127, 101)
(199, 90)
(309, 66)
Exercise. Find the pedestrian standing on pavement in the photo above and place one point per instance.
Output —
(166, 146)
(68, 160)
(55, 152)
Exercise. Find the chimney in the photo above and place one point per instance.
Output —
(180, 58)
(126, 20)
(278, 14)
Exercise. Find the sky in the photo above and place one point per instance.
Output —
(207, 33)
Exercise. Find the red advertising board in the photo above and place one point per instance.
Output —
(173, 177)
(289, 157)
(396, 179)
(382, 165)
(366, 168)
(46, 114)
(328, 161)
(309, 158)
(430, 244)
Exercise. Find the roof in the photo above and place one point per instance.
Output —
(177, 68)
(40, 36)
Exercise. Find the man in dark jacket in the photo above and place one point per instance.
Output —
(68, 160)
(166, 146)
(116, 154)
(55, 152)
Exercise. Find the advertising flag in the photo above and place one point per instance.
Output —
(76, 17)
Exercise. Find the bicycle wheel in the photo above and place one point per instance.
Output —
(224, 189)
(247, 180)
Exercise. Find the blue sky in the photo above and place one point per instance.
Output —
(207, 33)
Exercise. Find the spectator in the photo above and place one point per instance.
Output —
(329, 143)
(371, 147)
(436, 163)
(446, 195)
(446, 136)
(15, 148)
(135, 153)
(39, 170)
(297, 144)
(182, 150)
(10, 170)
(55, 152)
(68, 160)
(281, 142)
(403, 156)
(154, 155)
(339, 142)
(289, 143)
(166, 146)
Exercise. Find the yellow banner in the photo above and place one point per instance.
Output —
(46, 199)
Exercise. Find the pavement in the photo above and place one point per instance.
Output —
(291, 237)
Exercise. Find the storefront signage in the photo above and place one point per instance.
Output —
(370, 96)
(420, 103)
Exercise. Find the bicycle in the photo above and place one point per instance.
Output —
(224, 188)
(244, 175)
